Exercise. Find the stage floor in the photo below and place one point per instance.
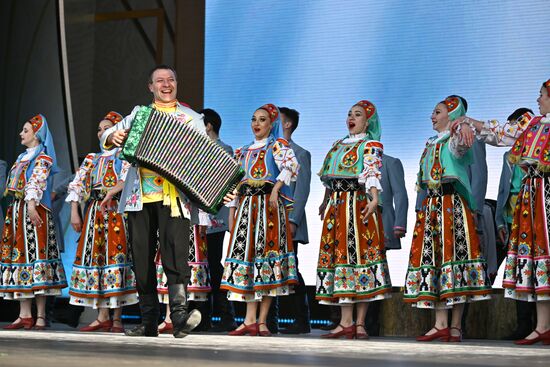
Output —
(63, 347)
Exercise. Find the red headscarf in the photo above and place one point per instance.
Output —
(36, 122)
(368, 107)
(272, 110)
(546, 85)
(113, 116)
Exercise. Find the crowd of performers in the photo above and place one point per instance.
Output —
(142, 241)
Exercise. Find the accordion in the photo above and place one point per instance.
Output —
(190, 160)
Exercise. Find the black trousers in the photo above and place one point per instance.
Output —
(215, 253)
(301, 305)
(219, 304)
(173, 235)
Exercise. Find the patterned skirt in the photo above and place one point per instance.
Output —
(446, 266)
(199, 284)
(30, 263)
(260, 259)
(102, 274)
(352, 263)
(527, 270)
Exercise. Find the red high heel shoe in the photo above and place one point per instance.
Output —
(40, 327)
(23, 323)
(167, 328)
(543, 337)
(263, 332)
(455, 339)
(349, 332)
(441, 334)
(251, 329)
(117, 329)
(101, 325)
(359, 335)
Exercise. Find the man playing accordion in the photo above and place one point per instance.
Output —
(155, 204)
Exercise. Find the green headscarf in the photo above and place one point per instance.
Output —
(374, 131)
(455, 106)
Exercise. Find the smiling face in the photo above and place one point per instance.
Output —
(357, 120)
(28, 138)
(544, 101)
(440, 118)
(163, 85)
(103, 125)
(261, 124)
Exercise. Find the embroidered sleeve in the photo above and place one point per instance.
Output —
(77, 187)
(286, 161)
(456, 146)
(38, 183)
(372, 163)
(501, 135)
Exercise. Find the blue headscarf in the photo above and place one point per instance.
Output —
(42, 132)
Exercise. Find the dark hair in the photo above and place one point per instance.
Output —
(464, 102)
(292, 115)
(213, 118)
(161, 67)
(519, 112)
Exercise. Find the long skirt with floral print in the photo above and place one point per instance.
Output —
(30, 263)
(199, 284)
(527, 269)
(446, 266)
(352, 264)
(102, 274)
(260, 259)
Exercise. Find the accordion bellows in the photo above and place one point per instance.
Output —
(190, 160)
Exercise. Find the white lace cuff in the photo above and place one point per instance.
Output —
(286, 176)
(370, 182)
(35, 195)
(72, 196)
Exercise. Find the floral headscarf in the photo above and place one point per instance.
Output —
(455, 107)
(275, 115)
(113, 116)
(374, 131)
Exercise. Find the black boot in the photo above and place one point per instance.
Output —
(372, 318)
(273, 316)
(334, 319)
(225, 310)
(206, 314)
(149, 306)
(182, 320)
(301, 324)
(524, 317)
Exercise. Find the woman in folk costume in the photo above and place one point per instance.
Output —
(102, 277)
(527, 269)
(199, 284)
(446, 268)
(31, 265)
(352, 268)
(260, 262)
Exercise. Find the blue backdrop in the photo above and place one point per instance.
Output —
(320, 57)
